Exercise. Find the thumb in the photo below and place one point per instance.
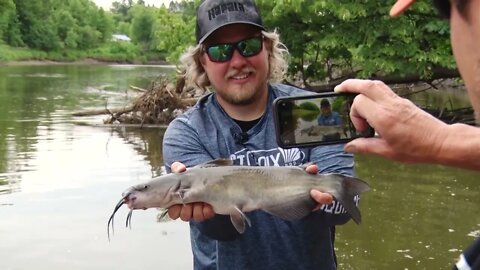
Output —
(375, 146)
(178, 167)
(321, 197)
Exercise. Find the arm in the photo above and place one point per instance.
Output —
(461, 148)
(407, 133)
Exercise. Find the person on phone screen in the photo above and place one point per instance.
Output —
(241, 63)
(328, 117)
(409, 134)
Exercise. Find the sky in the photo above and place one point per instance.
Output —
(106, 4)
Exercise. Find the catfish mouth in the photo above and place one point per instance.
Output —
(127, 199)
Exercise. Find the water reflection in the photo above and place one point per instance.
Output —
(59, 180)
(35, 104)
(147, 142)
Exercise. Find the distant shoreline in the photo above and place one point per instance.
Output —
(87, 61)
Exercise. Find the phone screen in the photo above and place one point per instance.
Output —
(303, 121)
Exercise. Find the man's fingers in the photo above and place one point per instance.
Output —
(374, 146)
(313, 169)
(174, 211)
(198, 212)
(186, 212)
(208, 211)
(375, 90)
(178, 167)
(361, 109)
(321, 197)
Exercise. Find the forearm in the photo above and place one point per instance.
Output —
(461, 148)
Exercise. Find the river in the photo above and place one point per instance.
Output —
(60, 177)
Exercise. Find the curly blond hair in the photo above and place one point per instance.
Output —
(195, 76)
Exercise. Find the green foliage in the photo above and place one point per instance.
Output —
(309, 106)
(171, 34)
(327, 39)
(53, 25)
(330, 38)
(142, 21)
(8, 53)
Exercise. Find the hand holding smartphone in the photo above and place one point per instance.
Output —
(313, 120)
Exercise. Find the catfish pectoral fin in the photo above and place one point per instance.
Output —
(239, 219)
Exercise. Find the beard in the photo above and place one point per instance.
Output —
(245, 94)
(241, 96)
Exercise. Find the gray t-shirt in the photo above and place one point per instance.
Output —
(206, 132)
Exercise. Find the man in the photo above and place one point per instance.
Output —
(329, 118)
(240, 62)
(411, 135)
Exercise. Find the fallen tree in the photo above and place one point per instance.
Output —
(159, 104)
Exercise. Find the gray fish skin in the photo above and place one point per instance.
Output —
(233, 190)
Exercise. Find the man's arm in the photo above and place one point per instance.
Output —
(461, 147)
(407, 133)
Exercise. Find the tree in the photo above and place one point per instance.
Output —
(143, 19)
(7, 7)
(9, 24)
(331, 40)
(172, 35)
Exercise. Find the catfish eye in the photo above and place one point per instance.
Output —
(142, 187)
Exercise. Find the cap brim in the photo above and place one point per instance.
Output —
(218, 27)
(400, 6)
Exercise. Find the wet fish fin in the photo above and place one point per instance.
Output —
(239, 219)
(215, 163)
(163, 215)
(351, 187)
(292, 211)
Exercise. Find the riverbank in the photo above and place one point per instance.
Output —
(109, 53)
(86, 61)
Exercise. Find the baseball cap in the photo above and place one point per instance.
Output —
(400, 6)
(213, 14)
(324, 103)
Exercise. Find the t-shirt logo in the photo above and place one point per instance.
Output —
(271, 157)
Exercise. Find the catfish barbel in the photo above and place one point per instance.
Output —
(233, 190)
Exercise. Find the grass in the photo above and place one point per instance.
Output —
(109, 52)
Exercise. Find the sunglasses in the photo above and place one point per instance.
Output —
(443, 7)
(223, 52)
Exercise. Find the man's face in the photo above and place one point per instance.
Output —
(326, 109)
(465, 36)
(240, 80)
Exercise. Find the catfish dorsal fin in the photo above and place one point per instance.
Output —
(216, 163)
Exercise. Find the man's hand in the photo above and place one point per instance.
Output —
(320, 197)
(406, 132)
(202, 211)
(196, 211)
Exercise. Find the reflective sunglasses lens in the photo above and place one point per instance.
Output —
(220, 53)
(250, 47)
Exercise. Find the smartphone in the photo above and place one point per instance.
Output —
(313, 120)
